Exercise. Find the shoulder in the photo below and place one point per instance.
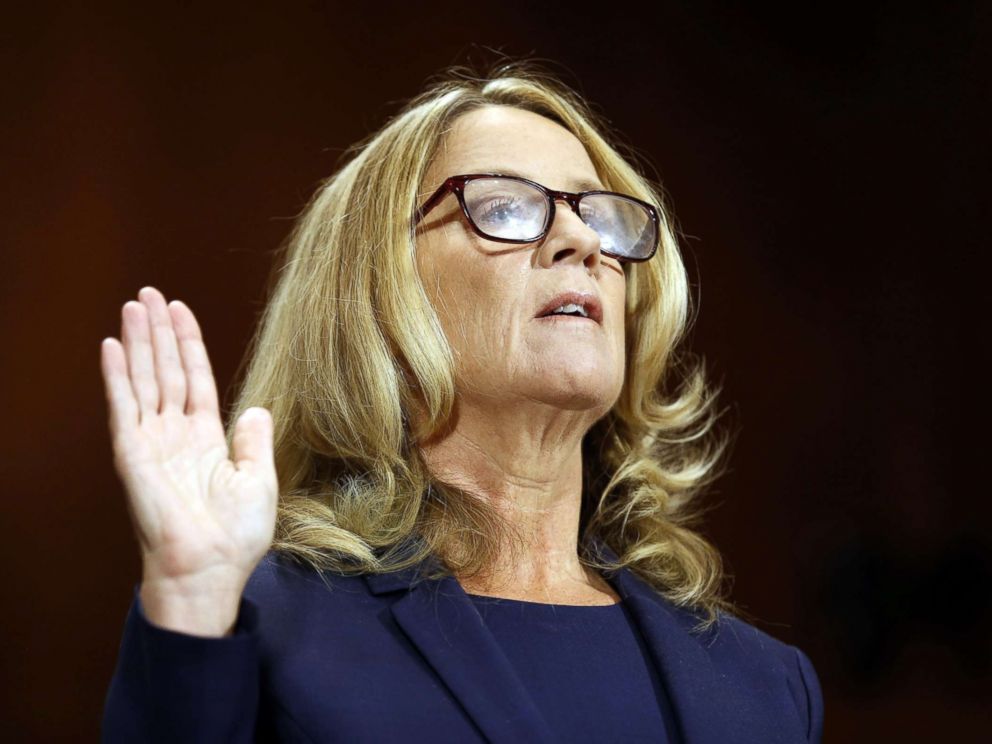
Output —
(733, 635)
(288, 592)
(280, 580)
(740, 644)
(732, 639)
(301, 609)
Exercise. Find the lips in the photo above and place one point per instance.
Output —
(587, 300)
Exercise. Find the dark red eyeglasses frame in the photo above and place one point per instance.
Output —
(456, 184)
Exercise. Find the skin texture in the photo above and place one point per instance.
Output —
(528, 389)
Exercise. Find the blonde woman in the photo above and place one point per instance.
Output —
(457, 499)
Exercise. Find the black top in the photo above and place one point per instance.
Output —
(586, 667)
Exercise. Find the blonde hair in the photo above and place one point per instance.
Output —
(349, 346)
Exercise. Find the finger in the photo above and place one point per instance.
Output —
(123, 407)
(136, 337)
(168, 366)
(201, 388)
(251, 444)
(124, 415)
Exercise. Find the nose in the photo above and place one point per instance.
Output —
(570, 239)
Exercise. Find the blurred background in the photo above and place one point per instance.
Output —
(828, 166)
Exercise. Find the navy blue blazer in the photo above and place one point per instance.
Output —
(396, 658)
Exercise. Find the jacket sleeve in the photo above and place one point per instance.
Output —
(814, 697)
(170, 686)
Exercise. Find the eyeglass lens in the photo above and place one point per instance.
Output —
(506, 208)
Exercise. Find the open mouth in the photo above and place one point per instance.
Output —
(573, 306)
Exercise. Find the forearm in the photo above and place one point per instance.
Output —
(171, 686)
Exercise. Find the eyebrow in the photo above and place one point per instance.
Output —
(581, 184)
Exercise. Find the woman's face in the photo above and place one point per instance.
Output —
(489, 294)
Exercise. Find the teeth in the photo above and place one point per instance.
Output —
(572, 308)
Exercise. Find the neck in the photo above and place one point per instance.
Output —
(529, 467)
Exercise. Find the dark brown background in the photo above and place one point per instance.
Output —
(828, 167)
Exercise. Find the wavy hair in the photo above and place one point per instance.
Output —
(348, 347)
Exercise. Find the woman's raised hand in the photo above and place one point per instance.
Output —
(204, 517)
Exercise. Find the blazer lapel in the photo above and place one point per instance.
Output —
(440, 620)
(709, 704)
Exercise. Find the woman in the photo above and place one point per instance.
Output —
(455, 504)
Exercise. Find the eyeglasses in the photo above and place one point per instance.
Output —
(512, 209)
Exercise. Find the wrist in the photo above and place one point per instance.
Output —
(210, 612)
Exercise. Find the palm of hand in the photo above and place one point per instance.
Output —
(200, 511)
(199, 515)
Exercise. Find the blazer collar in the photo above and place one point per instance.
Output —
(442, 622)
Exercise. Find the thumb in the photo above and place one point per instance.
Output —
(252, 441)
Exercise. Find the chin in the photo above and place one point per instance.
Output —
(578, 395)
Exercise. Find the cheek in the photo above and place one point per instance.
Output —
(471, 313)
(439, 268)
(618, 303)
(618, 331)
